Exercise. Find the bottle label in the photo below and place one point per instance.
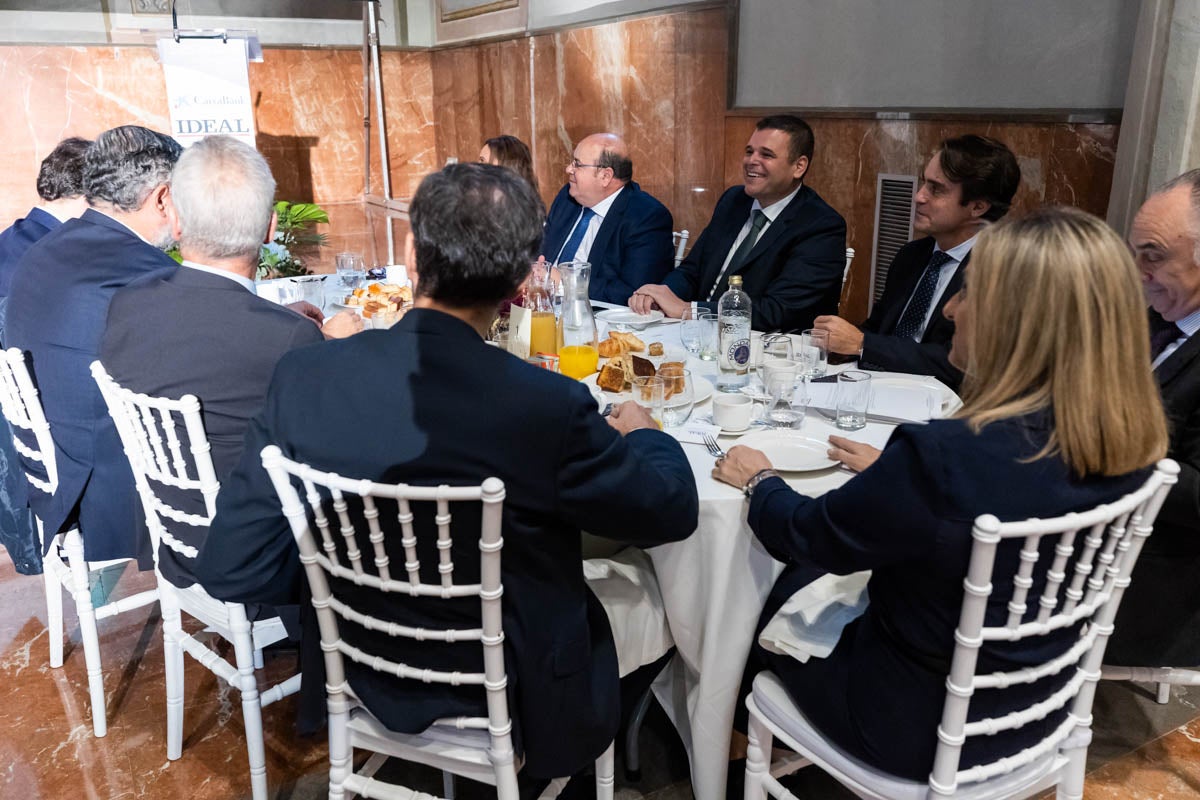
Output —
(738, 353)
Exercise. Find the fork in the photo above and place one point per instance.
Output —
(713, 448)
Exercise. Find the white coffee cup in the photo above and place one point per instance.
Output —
(732, 412)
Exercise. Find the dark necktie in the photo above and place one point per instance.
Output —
(568, 251)
(1161, 336)
(922, 298)
(757, 220)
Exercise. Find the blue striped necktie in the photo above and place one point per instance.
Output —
(568, 250)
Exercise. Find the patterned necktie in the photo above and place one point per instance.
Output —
(913, 316)
(1162, 336)
(568, 250)
(757, 220)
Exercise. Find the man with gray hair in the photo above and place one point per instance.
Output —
(1158, 624)
(202, 329)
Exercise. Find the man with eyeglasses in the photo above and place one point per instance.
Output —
(785, 242)
(601, 216)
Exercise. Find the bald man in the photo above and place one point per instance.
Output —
(601, 216)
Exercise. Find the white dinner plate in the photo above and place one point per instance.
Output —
(790, 451)
(702, 389)
(629, 319)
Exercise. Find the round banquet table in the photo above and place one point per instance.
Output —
(714, 585)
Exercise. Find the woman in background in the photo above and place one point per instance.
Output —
(511, 152)
(1061, 413)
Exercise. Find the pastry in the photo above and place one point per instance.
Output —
(611, 378)
(655, 349)
(642, 368)
(609, 348)
(635, 344)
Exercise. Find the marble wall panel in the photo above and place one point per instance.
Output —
(1060, 163)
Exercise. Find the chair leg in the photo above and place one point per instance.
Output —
(448, 785)
(173, 657)
(1163, 695)
(758, 755)
(251, 707)
(258, 658)
(82, 592)
(54, 612)
(339, 748)
(605, 767)
(633, 732)
(1070, 784)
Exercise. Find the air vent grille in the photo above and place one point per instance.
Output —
(893, 225)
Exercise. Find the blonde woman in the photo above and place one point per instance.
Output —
(1060, 412)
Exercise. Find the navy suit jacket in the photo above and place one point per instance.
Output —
(429, 402)
(793, 274)
(18, 238)
(885, 351)
(908, 518)
(192, 332)
(1158, 624)
(632, 248)
(57, 312)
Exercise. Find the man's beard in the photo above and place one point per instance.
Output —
(163, 238)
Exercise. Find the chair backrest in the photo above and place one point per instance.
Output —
(150, 430)
(23, 410)
(680, 240)
(849, 261)
(322, 562)
(1089, 567)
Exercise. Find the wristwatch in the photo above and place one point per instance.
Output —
(756, 479)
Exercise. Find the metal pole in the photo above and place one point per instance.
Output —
(366, 88)
(383, 149)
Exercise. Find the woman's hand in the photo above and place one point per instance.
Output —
(855, 455)
(739, 465)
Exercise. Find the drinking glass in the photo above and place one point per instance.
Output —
(769, 347)
(690, 330)
(648, 393)
(710, 343)
(853, 399)
(814, 349)
(351, 270)
(677, 382)
(779, 381)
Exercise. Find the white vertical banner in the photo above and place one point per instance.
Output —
(208, 88)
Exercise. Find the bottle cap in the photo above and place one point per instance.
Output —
(735, 280)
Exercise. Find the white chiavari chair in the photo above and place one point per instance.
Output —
(64, 566)
(477, 748)
(680, 240)
(160, 458)
(849, 261)
(1093, 555)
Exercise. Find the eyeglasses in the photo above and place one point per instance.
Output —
(574, 164)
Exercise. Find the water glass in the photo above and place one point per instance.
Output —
(351, 270)
(710, 337)
(648, 393)
(677, 407)
(779, 382)
(689, 330)
(853, 399)
(814, 352)
(768, 347)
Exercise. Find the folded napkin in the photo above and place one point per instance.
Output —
(627, 587)
(810, 623)
(693, 431)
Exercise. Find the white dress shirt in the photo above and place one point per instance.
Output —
(1189, 325)
(771, 212)
(957, 254)
(245, 282)
(589, 236)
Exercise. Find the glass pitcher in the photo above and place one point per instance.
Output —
(538, 301)
(578, 354)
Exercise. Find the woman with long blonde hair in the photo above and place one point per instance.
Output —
(1061, 412)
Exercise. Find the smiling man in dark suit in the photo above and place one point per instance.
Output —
(778, 234)
(601, 216)
(1158, 623)
(969, 182)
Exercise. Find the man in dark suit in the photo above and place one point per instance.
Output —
(779, 235)
(969, 182)
(1158, 624)
(201, 329)
(60, 185)
(601, 216)
(430, 402)
(56, 312)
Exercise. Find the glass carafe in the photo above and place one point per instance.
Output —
(578, 355)
(538, 301)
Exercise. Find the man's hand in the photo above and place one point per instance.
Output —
(844, 338)
(739, 465)
(655, 295)
(307, 309)
(342, 324)
(629, 416)
(855, 455)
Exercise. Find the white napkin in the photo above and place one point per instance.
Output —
(916, 402)
(810, 623)
(520, 328)
(628, 589)
(692, 432)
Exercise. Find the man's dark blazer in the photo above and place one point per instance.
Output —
(883, 350)
(429, 402)
(57, 312)
(1158, 624)
(632, 248)
(192, 332)
(793, 274)
(18, 238)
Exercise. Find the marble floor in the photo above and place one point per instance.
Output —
(48, 751)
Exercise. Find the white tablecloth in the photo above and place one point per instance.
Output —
(714, 585)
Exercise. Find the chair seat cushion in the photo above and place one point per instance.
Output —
(775, 706)
(445, 741)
